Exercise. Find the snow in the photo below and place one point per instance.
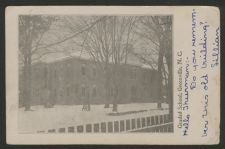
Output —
(72, 115)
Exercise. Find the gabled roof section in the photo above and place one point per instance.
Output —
(83, 55)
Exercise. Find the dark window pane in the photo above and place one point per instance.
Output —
(76, 88)
(94, 72)
(83, 70)
(83, 91)
(94, 92)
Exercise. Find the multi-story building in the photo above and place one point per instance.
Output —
(67, 81)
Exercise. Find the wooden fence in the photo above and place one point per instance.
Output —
(158, 123)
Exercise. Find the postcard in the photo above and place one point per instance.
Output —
(113, 75)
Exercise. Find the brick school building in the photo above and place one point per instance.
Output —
(67, 80)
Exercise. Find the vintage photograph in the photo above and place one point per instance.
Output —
(141, 75)
(95, 74)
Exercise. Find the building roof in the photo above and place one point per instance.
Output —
(52, 58)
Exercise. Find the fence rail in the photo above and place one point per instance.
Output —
(157, 123)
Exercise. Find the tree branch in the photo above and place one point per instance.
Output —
(72, 36)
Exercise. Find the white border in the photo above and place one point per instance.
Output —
(181, 24)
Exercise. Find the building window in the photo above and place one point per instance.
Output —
(133, 92)
(83, 71)
(55, 93)
(76, 88)
(68, 91)
(111, 91)
(94, 91)
(46, 77)
(133, 73)
(37, 72)
(94, 71)
(67, 69)
(145, 75)
(61, 92)
(55, 74)
(83, 90)
(124, 92)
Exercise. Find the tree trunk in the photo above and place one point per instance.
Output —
(170, 96)
(107, 82)
(52, 91)
(115, 100)
(27, 79)
(116, 90)
(160, 63)
(170, 89)
(25, 86)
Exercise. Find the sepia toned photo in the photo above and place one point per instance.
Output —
(95, 74)
(141, 75)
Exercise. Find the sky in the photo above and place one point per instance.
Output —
(61, 29)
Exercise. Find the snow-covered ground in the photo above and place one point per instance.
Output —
(72, 115)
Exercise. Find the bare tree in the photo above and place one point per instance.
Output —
(122, 36)
(31, 31)
(108, 43)
(157, 30)
(97, 43)
(33, 47)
